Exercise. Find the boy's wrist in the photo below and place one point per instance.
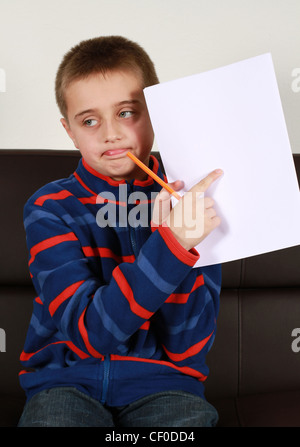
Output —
(189, 255)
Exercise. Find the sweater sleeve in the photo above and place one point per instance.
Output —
(186, 322)
(94, 316)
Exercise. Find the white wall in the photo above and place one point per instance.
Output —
(182, 37)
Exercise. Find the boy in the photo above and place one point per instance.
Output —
(123, 321)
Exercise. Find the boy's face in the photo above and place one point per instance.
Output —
(108, 117)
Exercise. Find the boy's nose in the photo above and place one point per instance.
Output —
(111, 138)
(111, 132)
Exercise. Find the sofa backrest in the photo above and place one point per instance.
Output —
(254, 350)
(22, 172)
(259, 303)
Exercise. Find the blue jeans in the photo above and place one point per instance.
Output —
(68, 407)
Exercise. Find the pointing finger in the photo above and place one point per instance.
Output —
(204, 184)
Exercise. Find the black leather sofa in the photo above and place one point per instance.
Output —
(254, 371)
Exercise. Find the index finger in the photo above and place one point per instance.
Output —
(204, 184)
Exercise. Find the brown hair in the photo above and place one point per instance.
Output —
(100, 55)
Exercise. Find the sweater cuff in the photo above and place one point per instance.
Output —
(187, 257)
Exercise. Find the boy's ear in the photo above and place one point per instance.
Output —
(65, 124)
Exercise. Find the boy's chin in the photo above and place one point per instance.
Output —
(121, 174)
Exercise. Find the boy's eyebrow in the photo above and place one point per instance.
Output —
(121, 103)
(129, 101)
(84, 112)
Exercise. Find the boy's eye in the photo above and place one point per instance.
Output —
(90, 122)
(126, 114)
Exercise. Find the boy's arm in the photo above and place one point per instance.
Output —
(98, 318)
(187, 321)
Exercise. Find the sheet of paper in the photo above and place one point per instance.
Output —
(232, 118)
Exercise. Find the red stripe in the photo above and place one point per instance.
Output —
(63, 296)
(193, 350)
(198, 283)
(77, 351)
(184, 369)
(149, 180)
(178, 298)
(83, 184)
(24, 357)
(23, 371)
(103, 200)
(104, 252)
(145, 326)
(86, 200)
(50, 242)
(181, 298)
(127, 292)
(54, 196)
(38, 300)
(84, 334)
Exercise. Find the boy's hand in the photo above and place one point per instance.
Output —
(193, 217)
(162, 204)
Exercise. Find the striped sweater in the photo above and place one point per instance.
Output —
(120, 311)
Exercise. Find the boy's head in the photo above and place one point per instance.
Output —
(99, 90)
(101, 55)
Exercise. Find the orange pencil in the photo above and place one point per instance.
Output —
(154, 176)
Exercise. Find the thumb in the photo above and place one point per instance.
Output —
(162, 204)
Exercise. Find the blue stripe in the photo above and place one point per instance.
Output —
(87, 218)
(38, 328)
(43, 275)
(210, 283)
(107, 322)
(37, 215)
(189, 323)
(153, 275)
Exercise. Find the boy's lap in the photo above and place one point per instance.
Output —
(169, 409)
(64, 407)
(69, 407)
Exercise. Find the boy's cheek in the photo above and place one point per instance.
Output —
(145, 133)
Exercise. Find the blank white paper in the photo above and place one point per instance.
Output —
(232, 118)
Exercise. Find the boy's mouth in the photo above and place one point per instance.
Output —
(115, 152)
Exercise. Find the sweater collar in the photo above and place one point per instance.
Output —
(94, 182)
